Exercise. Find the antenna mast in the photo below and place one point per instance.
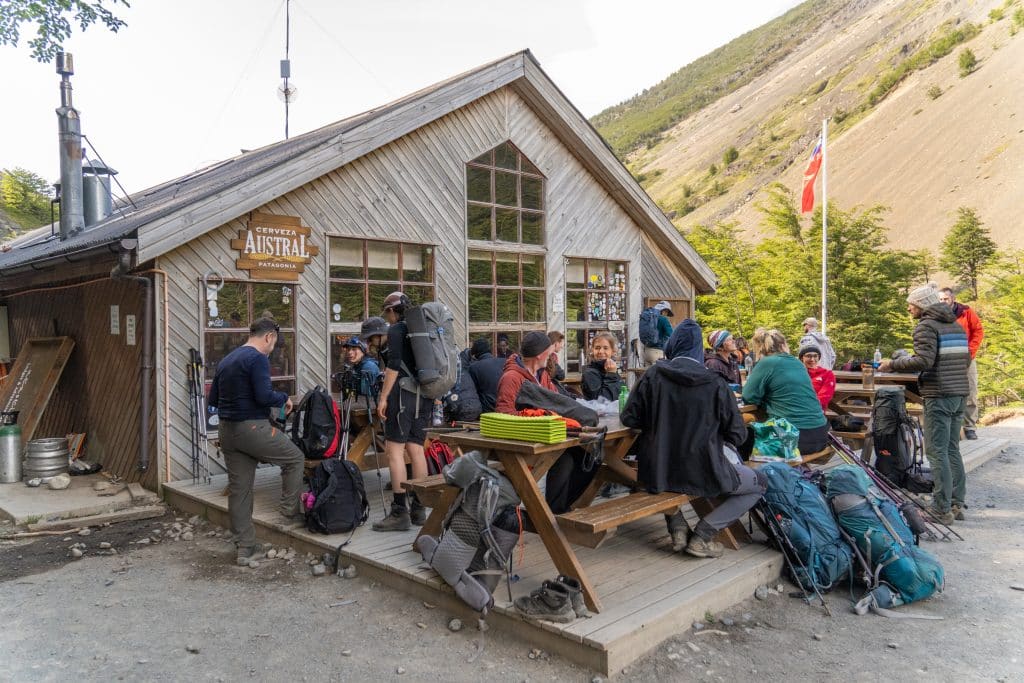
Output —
(286, 67)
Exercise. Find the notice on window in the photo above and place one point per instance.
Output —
(129, 329)
(115, 319)
(616, 325)
(558, 303)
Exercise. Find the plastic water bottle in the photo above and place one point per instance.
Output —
(877, 359)
(437, 415)
(623, 397)
(748, 363)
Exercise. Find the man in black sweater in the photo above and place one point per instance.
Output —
(243, 396)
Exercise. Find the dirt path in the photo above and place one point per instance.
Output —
(136, 614)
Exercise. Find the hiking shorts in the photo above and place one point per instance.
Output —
(402, 424)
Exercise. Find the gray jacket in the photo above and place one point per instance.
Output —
(940, 355)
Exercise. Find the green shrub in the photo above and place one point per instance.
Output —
(996, 14)
(730, 156)
(935, 92)
(926, 56)
(968, 62)
(1018, 17)
(713, 170)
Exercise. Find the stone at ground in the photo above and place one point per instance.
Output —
(346, 653)
(254, 564)
(108, 582)
(350, 572)
(34, 482)
(60, 482)
(319, 570)
(779, 588)
(817, 636)
(104, 545)
(728, 621)
(698, 626)
(420, 624)
(400, 670)
(761, 592)
(76, 553)
(187, 536)
(85, 532)
(693, 646)
(271, 554)
(193, 649)
(142, 541)
(455, 625)
(193, 520)
(892, 646)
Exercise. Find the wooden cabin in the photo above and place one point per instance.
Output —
(488, 191)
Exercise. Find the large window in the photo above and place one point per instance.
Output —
(505, 198)
(596, 299)
(229, 313)
(363, 272)
(361, 275)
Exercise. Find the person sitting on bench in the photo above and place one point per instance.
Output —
(690, 423)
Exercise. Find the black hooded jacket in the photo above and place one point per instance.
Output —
(686, 413)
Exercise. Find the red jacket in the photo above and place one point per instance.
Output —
(514, 376)
(971, 323)
(824, 383)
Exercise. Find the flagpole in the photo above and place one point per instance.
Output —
(824, 225)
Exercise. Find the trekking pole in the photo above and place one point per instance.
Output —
(200, 397)
(771, 528)
(893, 492)
(784, 541)
(192, 410)
(371, 407)
(346, 423)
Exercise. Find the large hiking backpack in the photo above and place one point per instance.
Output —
(649, 326)
(803, 514)
(480, 532)
(898, 442)
(340, 503)
(316, 425)
(882, 537)
(462, 403)
(432, 338)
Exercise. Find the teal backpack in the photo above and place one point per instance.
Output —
(903, 571)
(803, 514)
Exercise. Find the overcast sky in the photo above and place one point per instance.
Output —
(188, 82)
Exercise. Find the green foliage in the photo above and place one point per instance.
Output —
(967, 249)
(712, 170)
(996, 14)
(777, 283)
(1001, 359)
(968, 62)
(1018, 17)
(52, 19)
(641, 119)
(730, 155)
(935, 92)
(935, 50)
(25, 197)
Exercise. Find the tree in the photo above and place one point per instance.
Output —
(25, 196)
(52, 19)
(968, 62)
(967, 249)
(1001, 360)
(730, 155)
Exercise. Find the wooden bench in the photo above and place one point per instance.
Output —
(593, 525)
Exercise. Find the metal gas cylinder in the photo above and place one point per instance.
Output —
(10, 454)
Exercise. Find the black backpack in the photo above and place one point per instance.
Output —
(316, 425)
(340, 504)
(898, 442)
(649, 326)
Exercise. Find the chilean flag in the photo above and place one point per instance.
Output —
(810, 175)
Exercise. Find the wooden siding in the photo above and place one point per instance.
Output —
(99, 391)
(662, 279)
(412, 190)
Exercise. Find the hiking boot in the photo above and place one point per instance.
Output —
(550, 602)
(698, 547)
(678, 529)
(945, 518)
(417, 513)
(291, 519)
(970, 434)
(246, 555)
(575, 590)
(398, 520)
(958, 512)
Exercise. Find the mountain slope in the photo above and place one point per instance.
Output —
(872, 68)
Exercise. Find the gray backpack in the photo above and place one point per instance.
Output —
(432, 338)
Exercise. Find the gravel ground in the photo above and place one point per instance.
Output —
(178, 610)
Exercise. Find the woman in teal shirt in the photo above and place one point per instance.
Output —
(779, 383)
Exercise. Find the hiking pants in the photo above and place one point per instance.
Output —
(752, 487)
(971, 407)
(942, 417)
(246, 444)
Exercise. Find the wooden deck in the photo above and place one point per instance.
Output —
(649, 592)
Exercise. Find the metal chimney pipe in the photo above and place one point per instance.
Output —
(72, 213)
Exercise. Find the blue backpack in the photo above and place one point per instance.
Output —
(883, 537)
(804, 516)
(649, 327)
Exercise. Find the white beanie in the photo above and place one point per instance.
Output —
(924, 297)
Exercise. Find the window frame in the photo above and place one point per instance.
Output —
(587, 328)
(527, 170)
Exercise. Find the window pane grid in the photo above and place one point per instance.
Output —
(597, 299)
(353, 299)
(505, 198)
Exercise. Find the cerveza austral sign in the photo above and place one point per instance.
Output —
(274, 247)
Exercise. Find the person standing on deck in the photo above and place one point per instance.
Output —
(243, 396)
(812, 337)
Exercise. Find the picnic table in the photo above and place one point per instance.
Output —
(586, 524)
(907, 380)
